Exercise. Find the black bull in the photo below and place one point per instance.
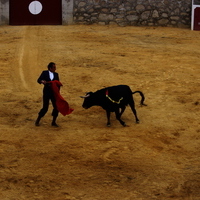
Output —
(113, 99)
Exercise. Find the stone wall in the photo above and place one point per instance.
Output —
(175, 13)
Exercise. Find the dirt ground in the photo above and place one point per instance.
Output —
(84, 159)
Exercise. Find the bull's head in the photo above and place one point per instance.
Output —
(88, 102)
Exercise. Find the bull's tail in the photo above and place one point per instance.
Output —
(143, 98)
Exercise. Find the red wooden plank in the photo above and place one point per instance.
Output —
(197, 18)
(51, 13)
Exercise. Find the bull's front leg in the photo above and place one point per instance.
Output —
(118, 117)
(122, 110)
(108, 118)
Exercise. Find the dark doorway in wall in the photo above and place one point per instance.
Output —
(197, 18)
(40, 12)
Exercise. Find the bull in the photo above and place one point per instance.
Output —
(113, 99)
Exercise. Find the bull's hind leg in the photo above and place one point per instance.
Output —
(118, 117)
(132, 105)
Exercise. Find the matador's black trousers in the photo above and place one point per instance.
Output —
(47, 97)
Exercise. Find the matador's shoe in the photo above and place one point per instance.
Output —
(54, 124)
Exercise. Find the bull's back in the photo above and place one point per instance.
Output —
(118, 96)
(120, 88)
(119, 91)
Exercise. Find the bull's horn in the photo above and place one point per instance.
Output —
(85, 96)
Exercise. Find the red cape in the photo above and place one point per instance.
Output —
(61, 104)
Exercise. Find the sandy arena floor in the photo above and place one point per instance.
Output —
(158, 159)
